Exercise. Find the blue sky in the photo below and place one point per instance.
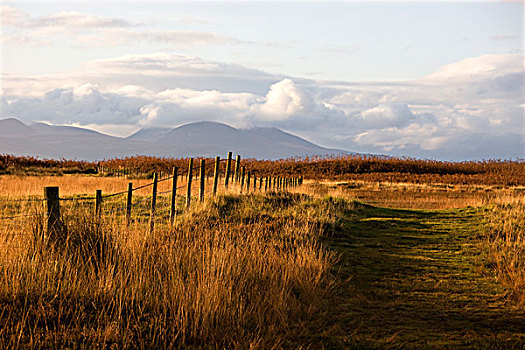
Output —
(413, 78)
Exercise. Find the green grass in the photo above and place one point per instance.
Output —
(404, 279)
(416, 279)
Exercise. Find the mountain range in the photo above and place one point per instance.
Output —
(205, 138)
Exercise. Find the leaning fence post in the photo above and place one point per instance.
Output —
(228, 169)
(128, 204)
(188, 189)
(216, 174)
(153, 203)
(173, 194)
(237, 168)
(98, 203)
(202, 178)
(53, 210)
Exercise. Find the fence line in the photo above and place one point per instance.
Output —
(238, 176)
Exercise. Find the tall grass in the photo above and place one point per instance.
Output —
(505, 237)
(235, 272)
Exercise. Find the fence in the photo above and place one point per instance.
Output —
(244, 180)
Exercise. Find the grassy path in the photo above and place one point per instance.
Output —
(415, 281)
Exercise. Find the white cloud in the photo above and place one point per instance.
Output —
(150, 72)
(173, 38)
(285, 99)
(13, 17)
(430, 117)
(89, 30)
(73, 19)
(391, 114)
(476, 69)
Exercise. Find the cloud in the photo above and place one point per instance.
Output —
(174, 38)
(478, 99)
(502, 37)
(73, 19)
(285, 99)
(476, 69)
(90, 30)
(150, 72)
(13, 17)
(81, 105)
(385, 115)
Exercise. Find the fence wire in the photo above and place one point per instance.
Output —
(90, 198)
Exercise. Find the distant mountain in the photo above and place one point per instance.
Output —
(196, 139)
(150, 134)
(210, 139)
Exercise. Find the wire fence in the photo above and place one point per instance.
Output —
(240, 177)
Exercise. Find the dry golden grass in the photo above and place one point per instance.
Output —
(71, 185)
(506, 242)
(20, 186)
(413, 196)
(234, 272)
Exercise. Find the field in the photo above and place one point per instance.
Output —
(389, 257)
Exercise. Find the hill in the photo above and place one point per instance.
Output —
(191, 140)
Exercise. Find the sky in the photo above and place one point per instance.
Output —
(425, 79)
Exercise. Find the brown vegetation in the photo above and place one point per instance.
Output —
(241, 271)
(347, 168)
(505, 238)
(233, 272)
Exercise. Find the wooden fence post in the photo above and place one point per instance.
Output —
(216, 175)
(228, 169)
(243, 174)
(51, 194)
(128, 204)
(237, 168)
(173, 194)
(254, 182)
(98, 203)
(153, 203)
(248, 176)
(188, 189)
(202, 179)
(266, 184)
(260, 183)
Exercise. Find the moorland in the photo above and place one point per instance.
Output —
(363, 253)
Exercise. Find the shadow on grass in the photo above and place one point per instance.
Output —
(413, 281)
